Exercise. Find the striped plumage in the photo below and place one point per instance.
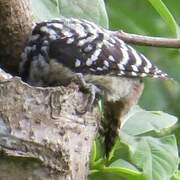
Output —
(59, 49)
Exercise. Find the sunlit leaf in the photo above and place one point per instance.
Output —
(176, 175)
(139, 121)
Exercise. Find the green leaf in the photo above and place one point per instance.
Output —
(157, 157)
(119, 151)
(99, 149)
(105, 176)
(139, 121)
(166, 15)
(176, 175)
(44, 9)
(97, 160)
(122, 165)
(93, 153)
(93, 10)
(124, 169)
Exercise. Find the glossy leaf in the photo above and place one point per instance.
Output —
(140, 121)
(157, 157)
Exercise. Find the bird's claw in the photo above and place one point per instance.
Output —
(91, 89)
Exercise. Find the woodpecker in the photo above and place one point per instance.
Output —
(63, 50)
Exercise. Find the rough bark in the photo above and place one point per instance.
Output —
(41, 135)
(15, 26)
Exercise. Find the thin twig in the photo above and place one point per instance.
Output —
(149, 41)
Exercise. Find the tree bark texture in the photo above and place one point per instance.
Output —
(41, 134)
(15, 26)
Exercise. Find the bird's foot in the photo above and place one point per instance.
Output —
(89, 88)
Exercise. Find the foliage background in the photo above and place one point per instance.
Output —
(138, 16)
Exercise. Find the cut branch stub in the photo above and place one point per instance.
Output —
(41, 136)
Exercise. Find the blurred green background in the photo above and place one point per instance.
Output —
(139, 17)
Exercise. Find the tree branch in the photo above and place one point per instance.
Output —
(149, 41)
(15, 27)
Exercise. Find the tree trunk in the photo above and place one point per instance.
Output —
(15, 26)
(41, 134)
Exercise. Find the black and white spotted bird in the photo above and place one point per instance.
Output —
(62, 50)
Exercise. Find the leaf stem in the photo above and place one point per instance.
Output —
(166, 16)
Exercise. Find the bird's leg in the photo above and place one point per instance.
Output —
(89, 88)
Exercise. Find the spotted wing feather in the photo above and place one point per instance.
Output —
(85, 48)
